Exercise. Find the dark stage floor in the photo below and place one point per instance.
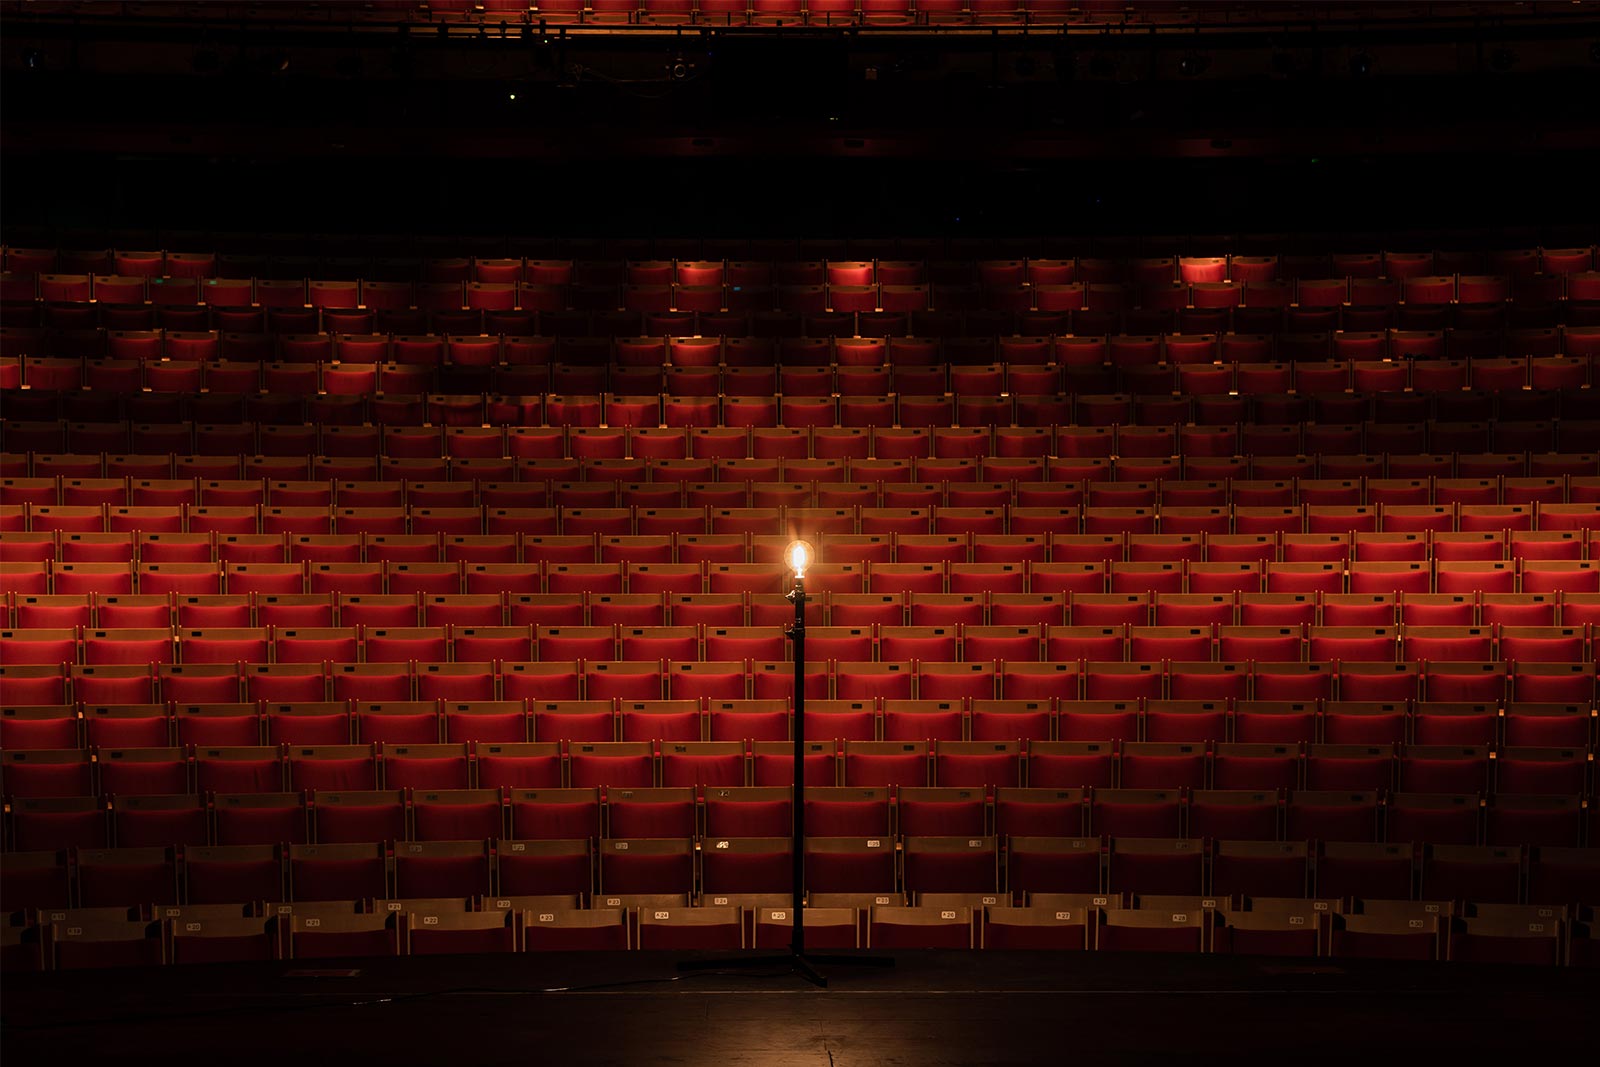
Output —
(932, 1009)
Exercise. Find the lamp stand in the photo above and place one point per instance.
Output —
(798, 960)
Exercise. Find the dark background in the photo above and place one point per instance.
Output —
(156, 129)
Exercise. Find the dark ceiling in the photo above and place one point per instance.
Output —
(207, 123)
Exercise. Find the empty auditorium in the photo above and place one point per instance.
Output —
(817, 532)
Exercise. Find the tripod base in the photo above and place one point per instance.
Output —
(796, 963)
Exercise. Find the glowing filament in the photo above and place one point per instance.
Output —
(798, 556)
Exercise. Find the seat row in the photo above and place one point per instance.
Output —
(1450, 778)
(753, 319)
(966, 322)
(732, 680)
(1045, 445)
(1053, 520)
(715, 812)
(833, 648)
(118, 707)
(969, 613)
(657, 870)
(689, 349)
(1491, 934)
(803, 288)
(645, 585)
(1019, 428)
(1201, 364)
(503, 285)
(306, 676)
(645, 549)
(822, 428)
(984, 480)
(1370, 636)
(656, 549)
(415, 452)
(537, 506)
(461, 343)
(1188, 365)
(781, 261)
(826, 460)
(1102, 424)
(407, 425)
(664, 545)
(754, 337)
(623, 311)
(816, 343)
(1086, 461)
(1486, 936)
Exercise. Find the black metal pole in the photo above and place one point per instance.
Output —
(797, 633)
(797, 961)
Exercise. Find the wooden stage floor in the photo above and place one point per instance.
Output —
(930, 1010)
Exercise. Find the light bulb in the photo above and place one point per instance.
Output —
(798, 556)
